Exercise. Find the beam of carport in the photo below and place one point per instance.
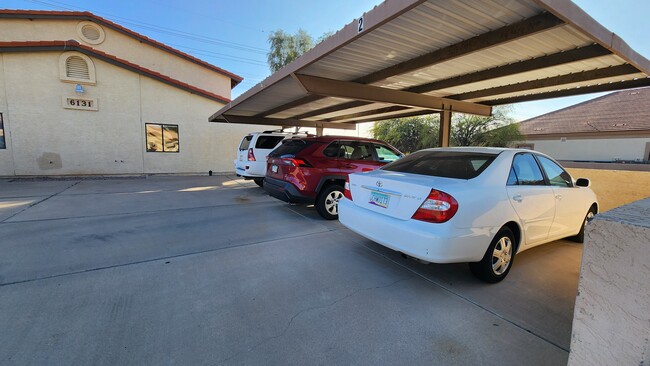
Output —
(350, 90)
(621, 85)
(620, 70)
(286, 122)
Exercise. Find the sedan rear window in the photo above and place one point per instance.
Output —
(290, 147)
(447, 164)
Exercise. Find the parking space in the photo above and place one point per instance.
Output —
(210, 270)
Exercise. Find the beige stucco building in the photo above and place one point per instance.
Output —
(614, 127)
(82, 95)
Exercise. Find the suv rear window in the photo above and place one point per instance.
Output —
(447, 164)
(290, 147)
(267, 142)
(245, 142)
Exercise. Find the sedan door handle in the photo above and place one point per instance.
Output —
(558, 196)
(518, 198)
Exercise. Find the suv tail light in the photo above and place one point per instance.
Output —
(251, 156)
(439, 207)
(296, 162)
(346, 189)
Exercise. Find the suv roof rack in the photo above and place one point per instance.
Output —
(270, 131)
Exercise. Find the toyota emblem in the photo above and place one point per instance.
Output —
(379, 184)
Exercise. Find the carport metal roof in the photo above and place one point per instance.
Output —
(413, 57)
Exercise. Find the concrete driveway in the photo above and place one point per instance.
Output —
(210, 270)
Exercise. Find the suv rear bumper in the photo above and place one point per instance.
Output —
(250, 169)
(285, 191)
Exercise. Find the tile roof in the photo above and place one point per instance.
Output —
(73, 45)
(627, 110)
(84, 15)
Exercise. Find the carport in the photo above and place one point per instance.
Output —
(413, 57)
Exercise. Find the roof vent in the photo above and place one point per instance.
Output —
(619, 124)
(76, 68)
(90, 32)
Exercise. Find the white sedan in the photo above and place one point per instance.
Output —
(476, 205)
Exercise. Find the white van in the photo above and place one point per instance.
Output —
(252, 152)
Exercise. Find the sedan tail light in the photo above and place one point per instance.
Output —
(346, 189)
(439, 207)
(251, 156)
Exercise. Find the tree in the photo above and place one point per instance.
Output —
(415, 133)
(495, 130)
(409, 134)
(503, 136)
(285, 47)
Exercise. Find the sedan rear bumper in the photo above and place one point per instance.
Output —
(436, 243)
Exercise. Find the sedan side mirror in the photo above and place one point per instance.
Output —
(583, 182)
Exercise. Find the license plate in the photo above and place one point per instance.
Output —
(379, 199)
(274, 168)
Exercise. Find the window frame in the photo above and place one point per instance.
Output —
(513, 171)
(353, 144)
(376, 153)
(2, 136)
(547, 178)
(162, 136)
(263, 139)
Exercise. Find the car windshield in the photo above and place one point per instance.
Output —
(447, 164)
(290, 147)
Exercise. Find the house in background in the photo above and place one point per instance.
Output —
(611, 128)
(82, 95)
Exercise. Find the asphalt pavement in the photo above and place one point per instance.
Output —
(198, 270)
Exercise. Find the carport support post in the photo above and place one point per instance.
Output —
(319, 131)
(445, 128)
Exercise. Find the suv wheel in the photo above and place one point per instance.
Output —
(328, 202)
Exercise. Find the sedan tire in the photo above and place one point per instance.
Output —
(580, 238)
(498, 258)
(328, 201)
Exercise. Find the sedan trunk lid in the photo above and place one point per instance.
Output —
(396, 194)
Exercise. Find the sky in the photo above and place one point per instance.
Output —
(233, 34)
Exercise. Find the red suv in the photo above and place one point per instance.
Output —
(313, 169)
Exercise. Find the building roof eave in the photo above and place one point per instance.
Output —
(84, 15)
(71, 45)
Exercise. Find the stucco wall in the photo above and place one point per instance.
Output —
(120, 45)
(611, 323)
(593, 149)
(6, 160)
(47, 139)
